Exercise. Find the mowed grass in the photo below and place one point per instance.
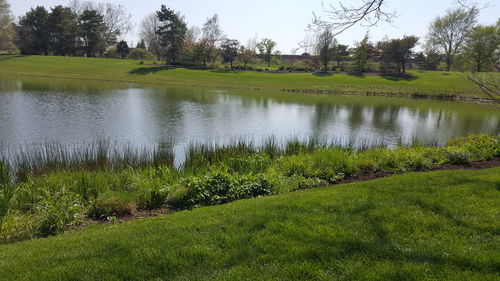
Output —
(423, 83)
(417, 226)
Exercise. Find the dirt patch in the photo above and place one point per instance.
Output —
(495, 162)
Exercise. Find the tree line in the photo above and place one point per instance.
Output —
(85, 28)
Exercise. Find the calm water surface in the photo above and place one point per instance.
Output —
(39, 110)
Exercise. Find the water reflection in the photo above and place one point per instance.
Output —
(38, 110)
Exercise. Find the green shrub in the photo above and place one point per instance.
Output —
(18, 226)
(140, 54)
(152, 198)
(111, 204)
(481, 147)
(218, 188)
(457, 156)
(58, 213)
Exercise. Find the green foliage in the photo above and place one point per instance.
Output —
(58, 213)
(140, 54)
(172, 32)
(360, 55)
(219, 187)
(214, 175)
(111, 205)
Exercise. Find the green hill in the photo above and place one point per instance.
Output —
(418, 226)
(430, 83)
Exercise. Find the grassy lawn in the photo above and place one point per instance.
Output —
(424, 83)
(418, 226)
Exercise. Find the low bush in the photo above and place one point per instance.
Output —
(58, 213)
(111, 205)
(152, 197)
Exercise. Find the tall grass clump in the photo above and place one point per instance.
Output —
(7, 189)
(99, 154)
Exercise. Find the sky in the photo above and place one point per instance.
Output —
(284, 21)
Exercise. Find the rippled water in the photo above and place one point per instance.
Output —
(39, 110)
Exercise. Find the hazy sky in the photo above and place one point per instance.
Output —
(284, 21)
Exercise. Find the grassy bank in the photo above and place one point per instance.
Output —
(421, 84)
(50, 194)
(418, 226)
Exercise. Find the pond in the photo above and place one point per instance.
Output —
(37, 110)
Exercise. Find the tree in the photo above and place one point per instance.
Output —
(247, 56)
(481, 45)
(340, 53)
(325, 47)
(7, 30)
(91, 26)
(211, 35)
(172, 31)
(141, 44)
(361, 55)
(122, 49)
(397, 52)
(33, 33)
(266, 49)
(62, 27)
(448, 33)
(117, 21)
(230, 49)
(148, 32)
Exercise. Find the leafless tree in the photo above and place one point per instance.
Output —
(148, 32)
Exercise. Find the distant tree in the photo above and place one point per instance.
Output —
(229, 50)
(480, 46)
(141, 44)
(117, 21)
(340, 53)
(397, 52)
(361, 54)
(211, 35)
(149, 33)
(122, 49)
(172, 31)
(91, 26)
(7, 30)
(33, 33)
(140, 54)
(63, 31)
(428, 60)
(266, 49)
(247, 56)
(325, 47)
(448, 33)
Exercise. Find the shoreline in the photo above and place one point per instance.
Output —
(413, 96)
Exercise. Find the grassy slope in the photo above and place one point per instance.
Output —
(417, 226)
(431, 83)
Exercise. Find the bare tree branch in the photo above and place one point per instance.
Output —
(341, 17)
(489, 83)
